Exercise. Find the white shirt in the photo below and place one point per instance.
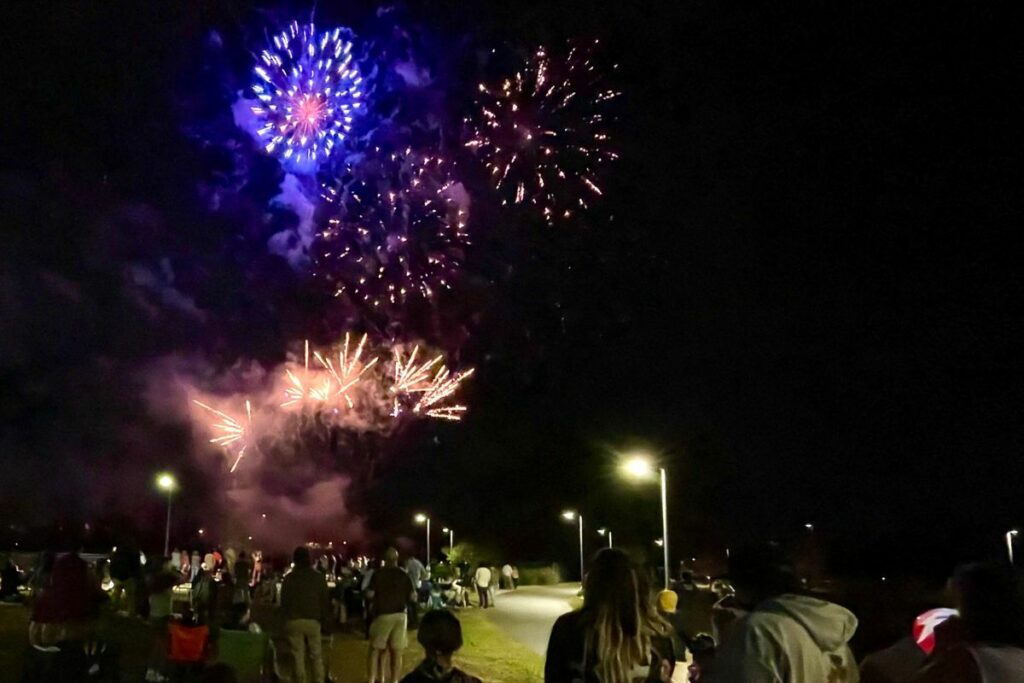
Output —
(483, 577)
(506, 570)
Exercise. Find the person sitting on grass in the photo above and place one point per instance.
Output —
(440, 635)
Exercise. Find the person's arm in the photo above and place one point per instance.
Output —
(413, 597)
(286, 595)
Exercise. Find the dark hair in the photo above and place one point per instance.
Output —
(612, 584)
(763, 568)
(301, 557)
(440, 631)
(992, 602)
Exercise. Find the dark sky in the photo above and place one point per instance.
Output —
(800, 289)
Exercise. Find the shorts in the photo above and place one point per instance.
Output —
(389, 630)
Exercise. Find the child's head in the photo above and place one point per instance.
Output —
(440, 633)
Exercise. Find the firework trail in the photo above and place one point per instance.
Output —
(231, 430)
(543, 132)
(309, 90)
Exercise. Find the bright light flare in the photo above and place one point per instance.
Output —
(569, 515)
(165, 481)
(638, 467)
(420, 518)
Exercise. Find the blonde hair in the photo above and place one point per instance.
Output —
(623, 619)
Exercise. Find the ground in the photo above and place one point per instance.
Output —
(526, 615)
(489, 652)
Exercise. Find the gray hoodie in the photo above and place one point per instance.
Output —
(790, 639)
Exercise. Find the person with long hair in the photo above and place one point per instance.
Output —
(617, 636)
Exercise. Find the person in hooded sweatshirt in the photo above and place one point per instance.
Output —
(785, 637)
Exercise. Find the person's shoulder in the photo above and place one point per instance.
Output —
(955, 665)
(460, 676)
(570, 621)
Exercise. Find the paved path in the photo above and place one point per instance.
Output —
(528, 613)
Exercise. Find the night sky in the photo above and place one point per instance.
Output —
(799, 290)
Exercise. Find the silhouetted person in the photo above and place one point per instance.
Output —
(390, 590)
(990, 630)
(617, 637)
(440, 634)
(784, 637)
(305, 607)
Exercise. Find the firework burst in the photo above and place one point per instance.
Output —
(543, 133)
(422, 387)
(309, 90)
(231, 432)
(398, 232)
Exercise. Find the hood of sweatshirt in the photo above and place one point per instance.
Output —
(829, 625)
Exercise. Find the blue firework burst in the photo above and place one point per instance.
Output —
(309, 90)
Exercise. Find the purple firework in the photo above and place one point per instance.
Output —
(543, 132)
(398, 233)
(309, 90)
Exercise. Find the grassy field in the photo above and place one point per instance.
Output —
(488, 653)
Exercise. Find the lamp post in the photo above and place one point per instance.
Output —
(607, 533)
(1010, 535)
(570, 515)
(641, 467)
(451, 541)
(421, 519)
(165, 481)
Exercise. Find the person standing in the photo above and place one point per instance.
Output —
(417, 572)
(492, 587)
(195, 564)
(390, 590)
(243, 578)
(304, 606)
(506, 576)
(784, 637)
(482, 578)
(617, 636)
(986, 642)
(515, 577)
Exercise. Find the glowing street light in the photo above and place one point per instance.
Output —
(165, 481)
(641, 466)
(451, 541)
(421, 518)
(1010, 535)
(608, 533)
(660, 542)
(570, 515)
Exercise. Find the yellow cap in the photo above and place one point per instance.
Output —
(667, 601)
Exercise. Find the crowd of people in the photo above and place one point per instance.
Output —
(768, 629)
(771, 630)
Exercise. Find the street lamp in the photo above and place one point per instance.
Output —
(421, 518)
(608, 533)
(1010, 535)
(570, 515)
(641, 467)
(451, 541)
(165, 481)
